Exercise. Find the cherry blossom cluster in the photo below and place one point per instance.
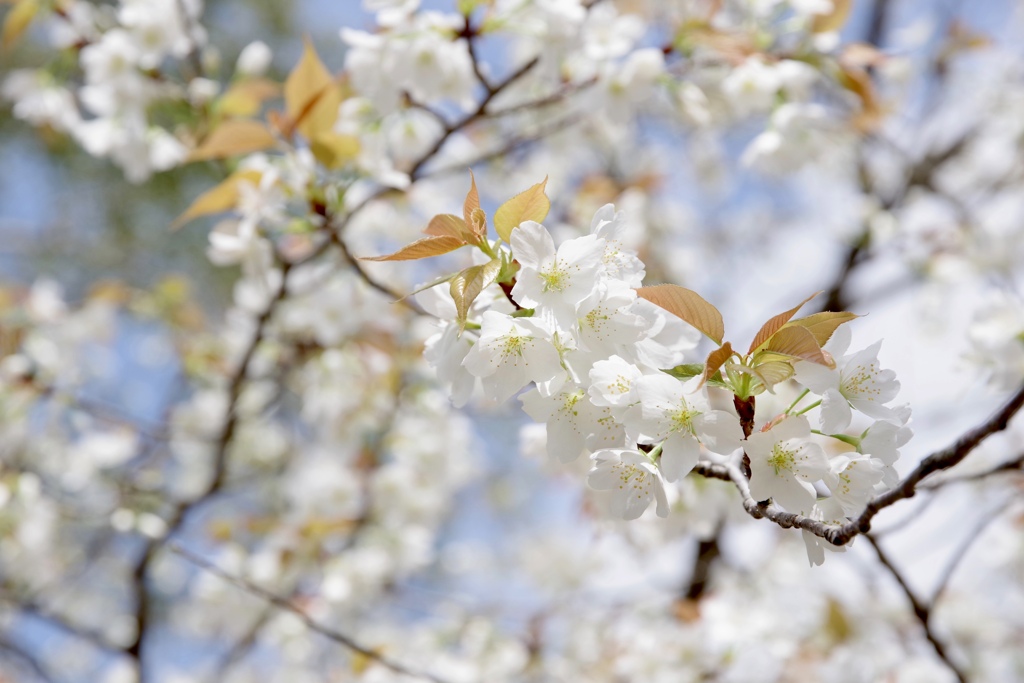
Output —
(147, 89)
(608, 375)
(123, 51)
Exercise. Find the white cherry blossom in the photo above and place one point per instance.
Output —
(631, 480)
(785, 463)
(828, 511)
(852, 481)
(573, 423)
(857, 382)
(620, 263)
(556, 280)
(613, 383)
(679, 414)
(511, 353)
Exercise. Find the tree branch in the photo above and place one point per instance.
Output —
(313, 625)
(27, 657)
(843, 534)
(940, 460)
(1014, 465)
(921, 611)
(223, 440)
(961, 552)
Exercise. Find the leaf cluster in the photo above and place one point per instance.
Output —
(776, 348)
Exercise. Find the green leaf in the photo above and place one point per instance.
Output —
(432, 283)
(688, 305)
(422, 248)
(529, 205)
(467, 285)
(834, 18)
(686, 371)
(775, 324)
(334, 150)
(773, 372)
(245, 98)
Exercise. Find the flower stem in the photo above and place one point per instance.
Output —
(485, 246)
(798, 399)
(810, 407)
(845, 438)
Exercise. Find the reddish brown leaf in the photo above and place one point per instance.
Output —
(716, 359)
(422, 248)
(822, 325)
(796, 342)
(775, 324)
(688, 305)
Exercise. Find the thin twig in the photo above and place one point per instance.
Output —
(313, 625)
(940, 460)
(969, 540)
(59, 622)
(844, 533)
(921, 611)
(223, 440)
(1014, 465)
(509, 147)
(469, 33)
(241, 646)
(703, 559)
(479, 113)
(27, 657)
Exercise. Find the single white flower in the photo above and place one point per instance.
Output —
(632, 480)
(39, 100)
(784, 463)
(630, 85)
(254, 60)
(997, 339)
(882, 441)
(556, 280)
(679, 414)
(511, 353)
(751, 87)
(605, 322)
(799, 133)
(620, 263)
(574, 424)
(852, 481)
(829, 511)
(446, 350)
(857, 381)
(613, 384)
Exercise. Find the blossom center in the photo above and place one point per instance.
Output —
(635, 478)
(569, 404)
(861, 381)
(514, 345)
(556, 278)
(620, 385)
(682, 419)
(782, 458)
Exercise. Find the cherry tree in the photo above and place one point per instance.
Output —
(495, 385)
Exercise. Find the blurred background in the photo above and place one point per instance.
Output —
(443, 538)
